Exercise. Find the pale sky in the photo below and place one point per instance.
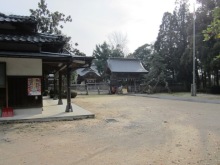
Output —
(94, 20)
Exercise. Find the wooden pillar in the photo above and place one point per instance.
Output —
(60, 102)
(68, 106)
(55, 88)
(135, 86)
(6, 91)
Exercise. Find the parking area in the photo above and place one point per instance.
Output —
(127, 130)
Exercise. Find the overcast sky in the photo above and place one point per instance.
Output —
(94, 20)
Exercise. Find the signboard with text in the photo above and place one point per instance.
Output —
(34, 86)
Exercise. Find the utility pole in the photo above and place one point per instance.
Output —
(193, 85)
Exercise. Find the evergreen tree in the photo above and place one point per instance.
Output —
(144, 54)
(52, 23)
(49, 22)
(101, 53)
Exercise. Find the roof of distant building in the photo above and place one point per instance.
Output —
(84, 71)
(125, 65)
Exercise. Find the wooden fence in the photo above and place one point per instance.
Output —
(91, 88)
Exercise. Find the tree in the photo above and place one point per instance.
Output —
(101, 53)
(52, 23)
(49, 22)
(172, 43)
(144, 54)
(212, 34)
(204, 50)
(117, 52)
(213, 30)
(118, 41)
(167, 42)
(158, 73)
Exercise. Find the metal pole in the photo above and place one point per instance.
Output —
(193, 87)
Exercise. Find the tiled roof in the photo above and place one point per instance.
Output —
(84, 71)
(16, 18)
(35, 38)
(125, 65)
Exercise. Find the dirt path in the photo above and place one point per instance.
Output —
(127, 130)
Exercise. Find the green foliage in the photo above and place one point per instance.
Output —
(117, 52)
(73, 77)
(213, 30)
(49, 22)
(144, 53)
(52, 23)
(102, 53)
(216, 62)
(157, 67)
(172, 43)
(167, 42)
(73, 94)
(212, 37)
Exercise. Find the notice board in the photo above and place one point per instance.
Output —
(34, 86)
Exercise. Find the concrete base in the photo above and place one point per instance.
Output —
(193, 89)
(51, 112)
(60, 102)
(69, 109)
(33, 111)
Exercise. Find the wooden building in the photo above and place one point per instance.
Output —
(88, 75)
(26, 57)
(125, 71)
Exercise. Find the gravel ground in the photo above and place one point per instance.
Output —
(127, 130)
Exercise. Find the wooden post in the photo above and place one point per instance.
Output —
(68, 106)
(55, 88)
(135, 85)
(87, 91)
(98, 90)
(60, 102)
(6, 91)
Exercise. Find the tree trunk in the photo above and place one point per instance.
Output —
(217, 78)
(209, 79)
(204, 80)
(198, 81)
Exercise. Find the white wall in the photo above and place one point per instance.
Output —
(22, 66)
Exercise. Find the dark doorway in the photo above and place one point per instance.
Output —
(18, 94)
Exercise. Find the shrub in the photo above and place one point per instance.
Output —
(45, 93)
(72, 93)
(215, 90)
(51, 93)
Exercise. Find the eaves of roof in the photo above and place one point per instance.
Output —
(42, 55)
(18, 19)
(32, 38)
(46, 55)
